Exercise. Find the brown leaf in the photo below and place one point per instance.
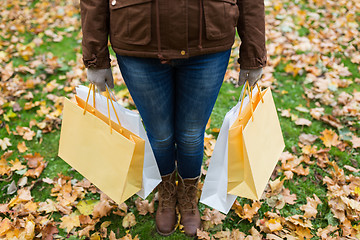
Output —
(144, 207)
(129, 237)
(255, 234)
(47, 206)
(307, 139)
(310, 207)
(324, 233)
(246, 212)
(101, 209)
(48, 231)
(202, 235)
(276, 186)
(213, 216)
(237, 235)
(331, 120)
(289, 198)
(303, 122)
(86, 231)
(222, 235)
(317, 112)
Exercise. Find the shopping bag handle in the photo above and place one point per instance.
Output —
(249, 89)
(108, 98)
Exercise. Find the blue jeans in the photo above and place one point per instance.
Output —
(175, 101)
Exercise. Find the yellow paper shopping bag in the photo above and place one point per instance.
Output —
(104, 152)
(255, 143)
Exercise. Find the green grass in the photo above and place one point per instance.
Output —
(288, 93)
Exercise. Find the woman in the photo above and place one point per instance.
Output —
(173, 55)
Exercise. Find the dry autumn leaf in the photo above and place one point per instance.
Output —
(5, 143)
(22, 147)
(202, 235)
(144, 207)
(329, 138)
(310, 207)
(129, 220)
(303, 122)
(213, 216)
(69, 222)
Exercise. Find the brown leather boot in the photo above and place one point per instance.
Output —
(187, 204)
(166, 218)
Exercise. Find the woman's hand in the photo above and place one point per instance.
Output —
(99, 77)
(252, 75)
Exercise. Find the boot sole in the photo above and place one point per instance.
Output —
(165, 234)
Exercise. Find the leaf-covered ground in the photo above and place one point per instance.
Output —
(314, 192)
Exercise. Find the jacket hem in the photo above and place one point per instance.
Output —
(171, 54)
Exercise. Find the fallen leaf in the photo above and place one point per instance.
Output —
(213, 216)
(86, 207)
(101, 209)
(202, 234)
(5, 143)
(143, 206)
(329, 138)
(307, 139)
(310, 207)
(303, 122)
(274, 225)
(69, 222)
(355, 141)
(22, 147)
(129, 220)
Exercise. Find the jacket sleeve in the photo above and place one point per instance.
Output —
(251, 29)
(95, 30)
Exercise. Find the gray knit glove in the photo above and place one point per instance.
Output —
(252, 75)
(99, 77)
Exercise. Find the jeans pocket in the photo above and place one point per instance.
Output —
(221, 17)
(130, 21)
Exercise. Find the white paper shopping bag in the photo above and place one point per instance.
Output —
(132, 121)
(214, 191)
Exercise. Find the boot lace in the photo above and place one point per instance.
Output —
(187, 200)
(167, 191)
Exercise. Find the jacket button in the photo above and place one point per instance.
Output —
(182, 52)
(113, 2)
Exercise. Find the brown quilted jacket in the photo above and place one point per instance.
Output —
(171, 29)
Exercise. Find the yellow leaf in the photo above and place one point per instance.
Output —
(4, 167)
(86, 207)
(5, 225)
(329, 138)
(22, 147)
(16, 165)
(29, 232)
(357, 191)
(274, 225)
(69, 222)
(95, 236)
(129, 220)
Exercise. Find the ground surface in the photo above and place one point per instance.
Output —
(313, 70)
